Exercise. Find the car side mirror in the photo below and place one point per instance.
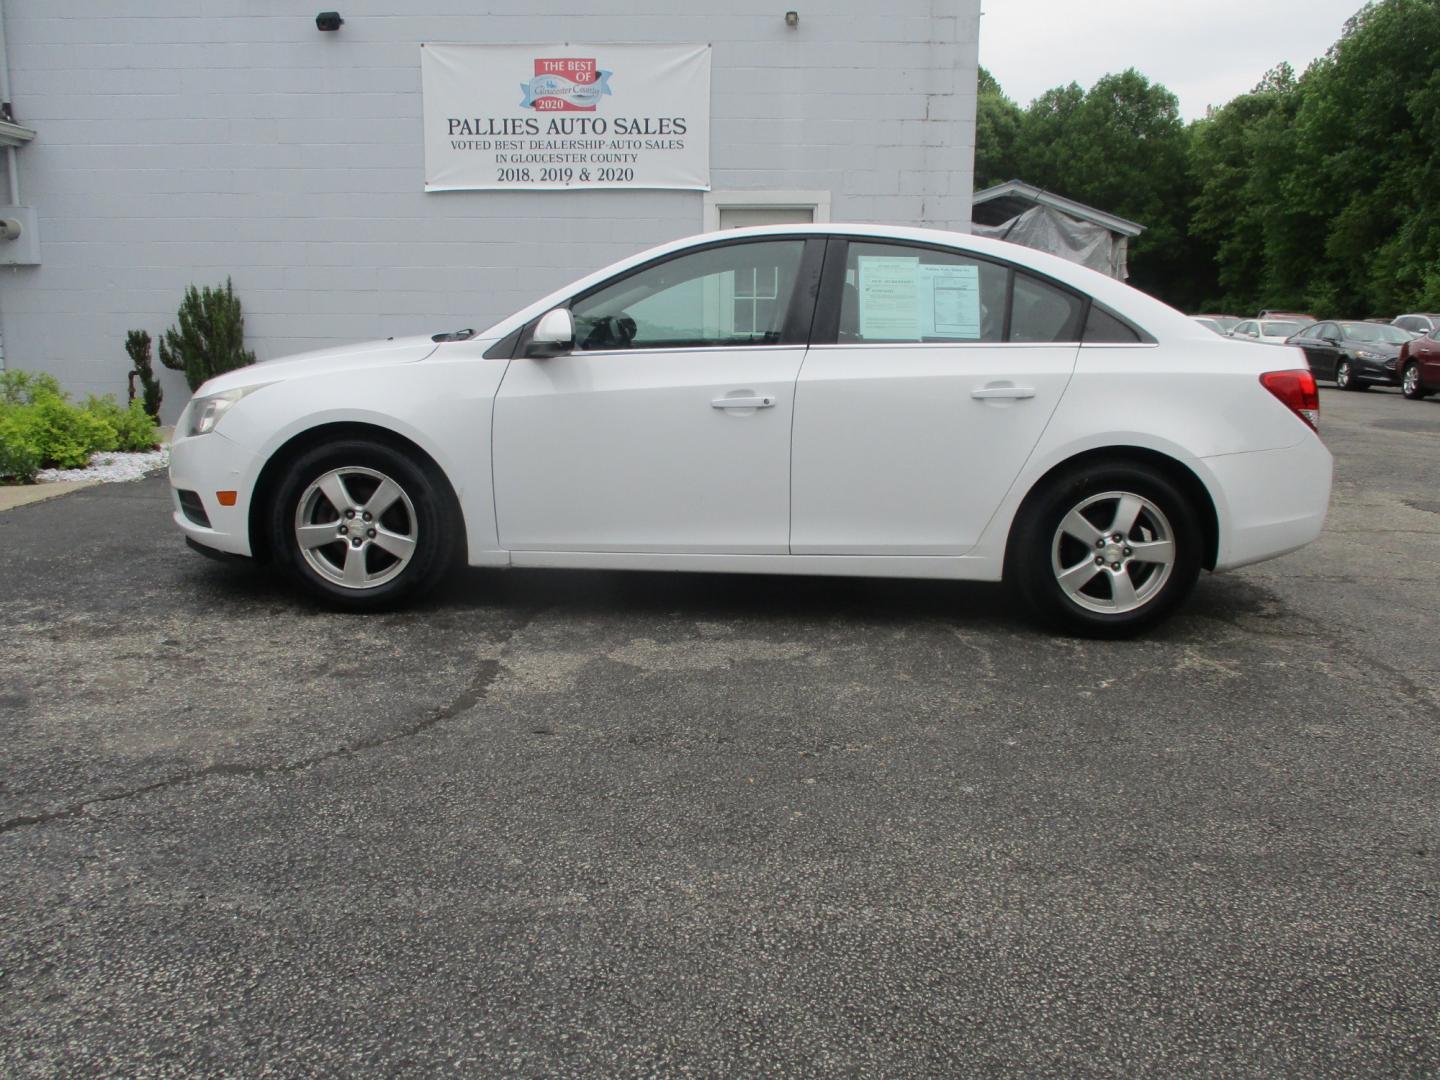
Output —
(554, 334)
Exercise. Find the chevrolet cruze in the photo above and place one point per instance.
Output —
(837, 399)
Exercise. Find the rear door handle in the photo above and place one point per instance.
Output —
(1003, 392)
(742, 403)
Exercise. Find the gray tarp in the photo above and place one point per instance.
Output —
(1079, 241)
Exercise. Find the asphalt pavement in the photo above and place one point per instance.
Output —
(605, 824)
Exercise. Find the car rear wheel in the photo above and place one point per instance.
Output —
(363, 526)
(1410, 383)
(1106, 551)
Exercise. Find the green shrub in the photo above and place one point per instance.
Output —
(23, 387)
(19, 455)
(133, 427)
(210, 339)
(40, 427)
(137, 344)
(65, 435)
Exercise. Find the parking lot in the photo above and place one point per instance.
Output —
(599, 824)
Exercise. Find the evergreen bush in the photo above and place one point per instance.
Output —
(210, 338)
(137, 344)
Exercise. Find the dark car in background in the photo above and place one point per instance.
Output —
(1355, 355)
(1420, 366)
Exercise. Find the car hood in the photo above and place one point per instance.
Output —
(404, 350)
(1384, 348)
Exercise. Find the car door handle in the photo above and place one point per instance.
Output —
(742, 403)
(1003, 392)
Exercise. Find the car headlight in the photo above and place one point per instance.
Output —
(1367, 354)
(205, 412)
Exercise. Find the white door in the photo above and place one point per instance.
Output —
(667, 429)
(911, 426)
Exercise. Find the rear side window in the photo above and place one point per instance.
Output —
(897, 293)
(1041, 312)
(1102, 328)
(901, 293)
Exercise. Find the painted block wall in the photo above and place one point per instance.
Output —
(182, 141)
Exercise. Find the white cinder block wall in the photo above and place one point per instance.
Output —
(182, 141)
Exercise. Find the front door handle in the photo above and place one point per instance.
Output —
(1003, 392)
(742, 403)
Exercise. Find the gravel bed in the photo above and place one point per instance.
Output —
(111, 467)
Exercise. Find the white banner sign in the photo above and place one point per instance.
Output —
(566, 116)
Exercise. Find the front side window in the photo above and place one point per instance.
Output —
(733, 295)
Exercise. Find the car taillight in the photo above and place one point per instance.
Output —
(1296, 390)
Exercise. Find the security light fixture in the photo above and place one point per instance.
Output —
(792, 19)
(329, 20)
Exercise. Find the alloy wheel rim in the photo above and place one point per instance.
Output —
(1342, 375)
(1412, 379)
(1113, 552)
(356, 528)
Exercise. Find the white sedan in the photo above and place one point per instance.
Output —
(1268, 331)
(836, 399)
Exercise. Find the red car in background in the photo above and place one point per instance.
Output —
(1420, 366)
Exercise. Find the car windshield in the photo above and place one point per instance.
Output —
(1374, 332)
(1279, 329)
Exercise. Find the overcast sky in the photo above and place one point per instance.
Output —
(1205, 53)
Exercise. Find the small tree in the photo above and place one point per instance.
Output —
(210, 339)
(137, 344)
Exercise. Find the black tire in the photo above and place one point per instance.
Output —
(1042, 552)
(1345, 377)
(1410, 384)
(412, 541)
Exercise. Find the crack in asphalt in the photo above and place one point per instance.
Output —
(473, 693)
(1339, 646)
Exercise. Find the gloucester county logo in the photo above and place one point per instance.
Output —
(566, 84)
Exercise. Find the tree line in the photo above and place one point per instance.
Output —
(1316, 193)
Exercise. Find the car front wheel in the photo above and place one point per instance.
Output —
(363, 526)
(1106, 551)
(1345, 377)
(1410, 383)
